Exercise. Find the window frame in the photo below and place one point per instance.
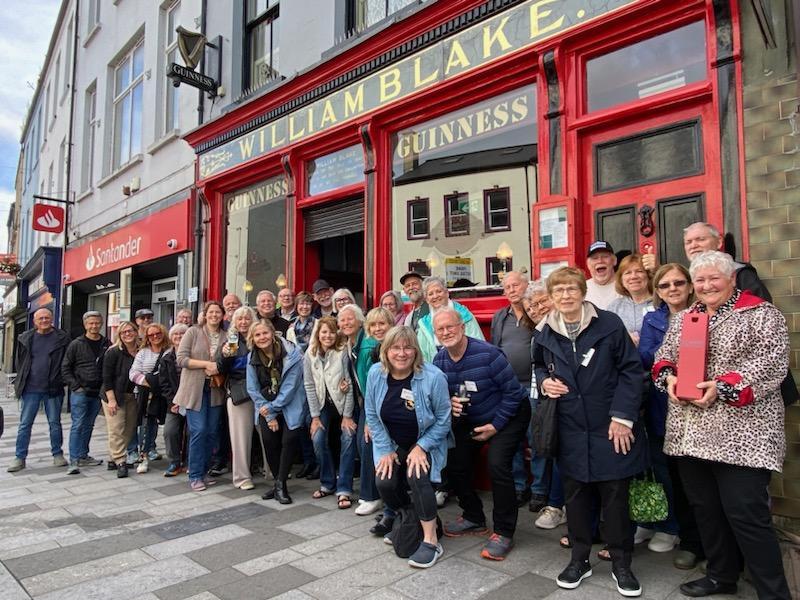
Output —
(92, 16)
(90, 136)
(493, 260)
(119, 96)
(448, 216)
(270, 15)
(171, 93)
(352, 21)
(487, 209)
(410, 204)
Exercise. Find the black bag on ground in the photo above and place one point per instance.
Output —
(407, 532)
(544, 424)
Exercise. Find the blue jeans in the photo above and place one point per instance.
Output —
(368, 490)
(203, 435)
(148, 431)
(539, 487)
(343, 484)
(84, 409)
(30, 406)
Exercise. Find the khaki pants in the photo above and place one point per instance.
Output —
(120, 428)
(240, 423)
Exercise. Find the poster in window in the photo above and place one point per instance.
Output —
(457, 268)
(553, 228)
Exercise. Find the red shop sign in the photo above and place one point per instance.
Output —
(48, 218)
(160, 234)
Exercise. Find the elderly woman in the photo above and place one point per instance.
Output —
(585, 359)
(119, 403)
(438, 297)
(303, 324)
(730, 439)
(275, 383)
(392, 302)
(408, 412)
(201, 401)
(329, 392)
(232, 361)
(169, 377)
(342, 297)
(636, 294)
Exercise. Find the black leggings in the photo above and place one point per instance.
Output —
(279, 446)
(394, 489)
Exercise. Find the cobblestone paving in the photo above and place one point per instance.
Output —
(93, 536)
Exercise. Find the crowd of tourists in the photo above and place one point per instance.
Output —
(573, 399)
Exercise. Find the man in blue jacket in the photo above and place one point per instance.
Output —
(497, 414)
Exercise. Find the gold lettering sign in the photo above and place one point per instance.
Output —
(269, 190)
(512, 30)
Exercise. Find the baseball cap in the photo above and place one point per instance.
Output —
(409, 275)
(319, 285)
(143, 312)
(600, 246)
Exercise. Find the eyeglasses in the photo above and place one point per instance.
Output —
(157, 334)
(127, 332)
(544, 303)
(679, 283)
(447, 328)
(402, 349)
(567, 290)
(342, 300)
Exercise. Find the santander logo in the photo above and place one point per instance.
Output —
(90, 259)
(49, 220)
(113, 253)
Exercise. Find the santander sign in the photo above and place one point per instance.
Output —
(154, 236)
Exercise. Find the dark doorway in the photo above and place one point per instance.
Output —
(342, 262)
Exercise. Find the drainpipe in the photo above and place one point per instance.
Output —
(199, 198)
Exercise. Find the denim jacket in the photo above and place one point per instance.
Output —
(291, 398)
(432, 407)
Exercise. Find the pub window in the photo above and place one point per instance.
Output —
(365, 13)
(456, 210)
(496, 268)
(262, 37)
(664, 62)
(418, 219)
(467, 162)
(496, 209)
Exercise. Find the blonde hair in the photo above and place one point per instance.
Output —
(566, 275)
(378, 314)
(118, 339)
(314, 346)
(625, 264)
(166, 343)
(400, 333)
(259, 323)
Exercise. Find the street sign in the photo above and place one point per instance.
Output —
(48, 218)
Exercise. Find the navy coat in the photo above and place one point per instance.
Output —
(610, 385)
(654, 327)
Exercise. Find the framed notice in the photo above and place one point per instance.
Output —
(457, 268)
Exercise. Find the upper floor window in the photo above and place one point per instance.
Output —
(92, 15)
(89, 135)
(171, 120)
(56, 87)
(497, 209)
(456, 213)
(419, 226)
(365, 13)
(660, 63)
(128, 84)
(262, 36)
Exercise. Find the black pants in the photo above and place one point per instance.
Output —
(684, 514)
(731, 504)
(461, 467)
(279, 447)
(615, 528)
(222, 453)
(394, 489)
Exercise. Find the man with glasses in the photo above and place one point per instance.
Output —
(82, 370)
(497, 414)
(143, 318)
(601, 261)
(230, 302)
(38, 365)
(286, 304)
(323, 296)
(265, 308)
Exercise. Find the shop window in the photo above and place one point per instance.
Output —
(262, 43)
(651, 156)
(663, 62)
(335, 170)
(478, 166)
(456, 211)
(128, 86)
(496, 268)
(365, 13)
(256, 238)
(418, 219)
(497, 210)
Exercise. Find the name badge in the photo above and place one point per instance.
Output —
(470, 385)
(587, 357)
(408, 396)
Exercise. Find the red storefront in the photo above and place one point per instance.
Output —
(474, 137)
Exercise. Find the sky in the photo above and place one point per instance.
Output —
(25, 31)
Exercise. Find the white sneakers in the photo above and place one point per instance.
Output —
(551, 517)
(367, 507)
(642, 535)
(441, 498)
(144, 466)
(659, 542)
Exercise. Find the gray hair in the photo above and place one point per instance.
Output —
(263, 293)
(355, 309)
(715, 259)
(398, 300)
(448, 311)
(522, 276)
(344, 292)
(711, 229)
(431, 281)
(244, 310)
(535, 288)
(92, 314)
(178, 328)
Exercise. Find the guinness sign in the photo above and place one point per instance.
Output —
(180, 74)
(191, 45)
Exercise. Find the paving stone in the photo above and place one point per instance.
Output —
(183, 527)
(340, 557)
(11, 590)
(242, 549)
(7, 555)
(203, 596)
(361, 579)
(199, 585)
(268, 561)
(49, 560)
(264, 585)
(318, 544)
(327, 522)
(195, 541)
(134, 582)
(90, 523)
(34, 537)
(528, 586)
(93, 569)
(385, 594)
(268, 522)
(174, 489)
(454, 578)
(293, 595)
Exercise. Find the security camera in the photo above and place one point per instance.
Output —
(172, 244)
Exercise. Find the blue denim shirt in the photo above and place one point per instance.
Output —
(291, 398)
(431, 405)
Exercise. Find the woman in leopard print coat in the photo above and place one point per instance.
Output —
(730, 440)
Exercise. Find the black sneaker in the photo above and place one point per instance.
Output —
(111, 465)
(122, 470)
(382, 527)
(537, 503)
(627, 584)
(576, 571)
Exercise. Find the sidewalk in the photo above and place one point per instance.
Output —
(93, 536)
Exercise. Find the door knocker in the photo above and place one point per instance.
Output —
(646, 227)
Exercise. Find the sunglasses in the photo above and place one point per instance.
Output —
(157, 334)
(668, 284)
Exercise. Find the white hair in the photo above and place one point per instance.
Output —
(711, 229)
(242, 310)
(535, 288)
(431, 281)
(178, 328)
(355, 309)
(715, 259)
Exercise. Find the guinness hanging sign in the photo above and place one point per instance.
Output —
(191, 45)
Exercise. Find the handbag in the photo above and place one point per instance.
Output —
(544, 426)
(647, 500)
(218, 380)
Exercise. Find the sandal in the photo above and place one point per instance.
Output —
(321, 493)
(565, 542)
(344, 502)
(604, 554)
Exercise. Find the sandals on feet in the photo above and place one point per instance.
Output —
(604, 554)
(344, 502)
(321, 493)
(565, 542)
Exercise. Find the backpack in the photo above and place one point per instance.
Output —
(406, 534)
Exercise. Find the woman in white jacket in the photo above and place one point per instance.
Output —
(329, 392)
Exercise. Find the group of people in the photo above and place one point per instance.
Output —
(418, 395)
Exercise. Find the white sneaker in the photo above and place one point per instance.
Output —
(144, 466)
(662, 542)
(642, 535)
(441, 498)
(550, 517)
(367, 507)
